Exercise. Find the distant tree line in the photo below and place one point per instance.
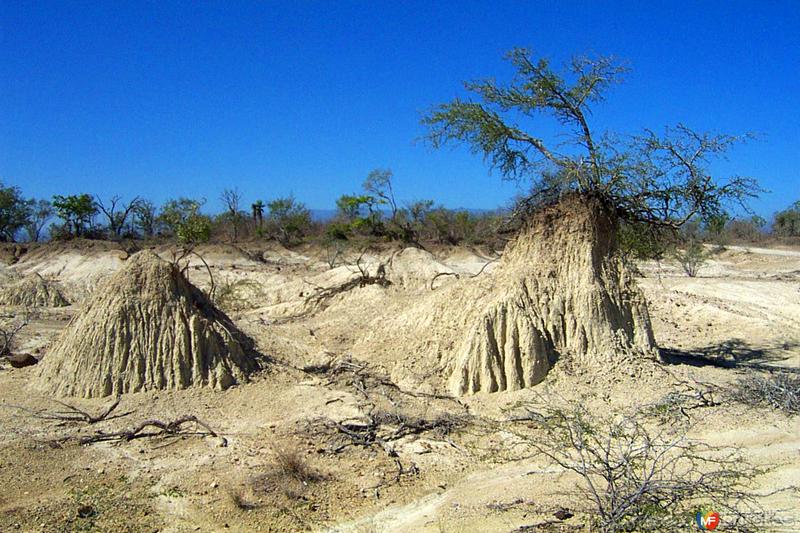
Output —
(371, 214)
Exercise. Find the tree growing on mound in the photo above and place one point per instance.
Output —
(147, 329)
(658, 179)
(561, 290)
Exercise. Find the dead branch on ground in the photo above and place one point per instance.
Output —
(172, 429)
(8, 330)
(381, 430)
(323, 294)
(351, 372)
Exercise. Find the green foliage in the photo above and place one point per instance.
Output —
(77, 211)
(337, 230)
(643, 242)
(183, 219)
(657, 179)
(787, 222)
(15, 212)
(288, 220)
(361, 214)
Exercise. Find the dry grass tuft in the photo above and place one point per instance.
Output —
(289, 474)
(291, 463)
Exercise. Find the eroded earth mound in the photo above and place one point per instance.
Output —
(560, 292)
(33, 291)
(146, 328)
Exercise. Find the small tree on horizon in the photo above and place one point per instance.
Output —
(145, 218)
(184, 220)
(288, 220)
(787, 222)
(41, 211)
(232, 199)
(77, 211)
(14, 212)
(117, 213)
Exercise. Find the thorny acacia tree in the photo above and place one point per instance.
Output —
(661, 180)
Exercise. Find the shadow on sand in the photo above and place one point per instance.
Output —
(733, 353)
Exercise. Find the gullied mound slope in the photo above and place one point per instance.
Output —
(146, 328)
(33, 291)
(560, 292)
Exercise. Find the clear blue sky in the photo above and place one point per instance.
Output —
(163, 98)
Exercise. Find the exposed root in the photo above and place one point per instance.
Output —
(443, 274)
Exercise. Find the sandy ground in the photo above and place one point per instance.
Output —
(740, 315)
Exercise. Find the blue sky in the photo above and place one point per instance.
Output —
(162, 99)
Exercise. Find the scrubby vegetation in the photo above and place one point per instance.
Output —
(635, 477)
(371, 215)
(779, 390)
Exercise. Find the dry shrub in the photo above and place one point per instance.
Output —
(633, 478)
(779, 390)
(9, 328)
(240, 500)
(234, 295)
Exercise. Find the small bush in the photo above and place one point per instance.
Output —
(232, 295)
(289, 221)
(692, 258)
(779, 390)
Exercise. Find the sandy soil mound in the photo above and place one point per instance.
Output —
(33, 291)
(415, 268)
(79, 266)
(146, 328)
(560, 291)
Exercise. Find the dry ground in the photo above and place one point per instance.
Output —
(284, 463)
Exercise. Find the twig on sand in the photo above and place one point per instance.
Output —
(72, 414)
